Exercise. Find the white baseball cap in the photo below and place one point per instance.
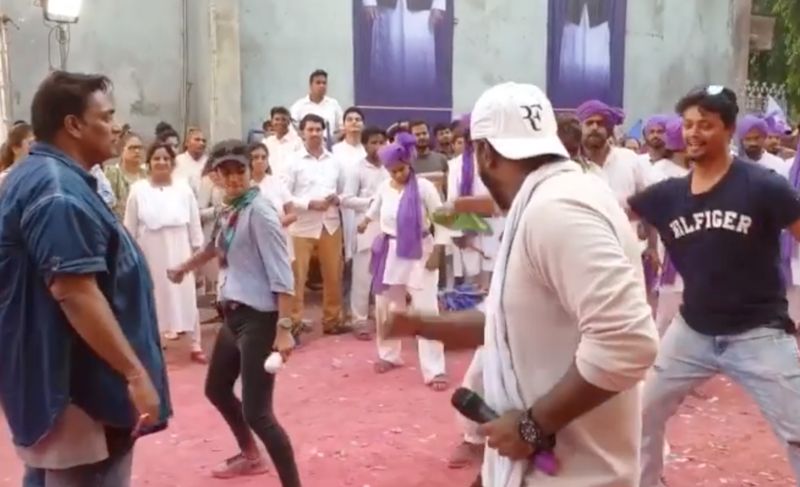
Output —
(518, 120)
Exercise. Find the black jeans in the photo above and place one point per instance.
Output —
(244, 342)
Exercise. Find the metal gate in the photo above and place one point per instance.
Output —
(757, 94)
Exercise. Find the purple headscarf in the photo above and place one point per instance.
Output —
(467, 161)
(612, 116)
(748, 123)
(655, 121)
(788, 243)
(776, 125)
(409, 211)
(673, 138)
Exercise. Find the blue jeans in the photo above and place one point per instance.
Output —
(764, 361)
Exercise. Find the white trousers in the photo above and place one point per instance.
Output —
(424, 300)
(473, 380)
(793, 296)
(360, 287)
(669, 303)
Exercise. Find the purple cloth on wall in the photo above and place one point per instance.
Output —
(586, 60)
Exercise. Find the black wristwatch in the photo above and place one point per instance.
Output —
(531, 432)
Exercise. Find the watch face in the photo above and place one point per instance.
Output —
(529, 431)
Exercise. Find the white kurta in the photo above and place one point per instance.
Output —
(274, 189)
(165, 222)
(670, 296)
(470, 262)
(400, 271)
(775, 163)
(350, 157)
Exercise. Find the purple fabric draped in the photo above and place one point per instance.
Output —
(612, 116)
(674, 135)
(749, 123)
(467, 160)
(377, 262)
(650, 274)
(409, 211)
(776, 125)
(668, 272)
(788, 243)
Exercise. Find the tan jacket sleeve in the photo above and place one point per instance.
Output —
(576, 251)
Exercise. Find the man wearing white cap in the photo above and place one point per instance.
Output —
(568, 333)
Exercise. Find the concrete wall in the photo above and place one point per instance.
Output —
(672, 45)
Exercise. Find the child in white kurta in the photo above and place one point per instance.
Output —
(406, 276)
(165, 222)
(361, 188)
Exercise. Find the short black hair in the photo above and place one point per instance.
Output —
(371, 132)
(164, 131)
(417, 123)
(279, 111)
(353, 110)
(316, 73)
(313, 118)
(394, 130)
(441, 127)
(60, 95)
(719, 100)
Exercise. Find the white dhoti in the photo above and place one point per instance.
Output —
(424, 299)
(359, 291)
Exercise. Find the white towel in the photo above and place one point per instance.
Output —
(501, 386)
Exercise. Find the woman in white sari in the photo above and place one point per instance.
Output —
(163, 217)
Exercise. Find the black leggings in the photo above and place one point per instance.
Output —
(244, 342)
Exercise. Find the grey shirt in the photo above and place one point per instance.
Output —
(258, 259)
(431, 162)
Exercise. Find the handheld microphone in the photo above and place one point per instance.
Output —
(473, 407)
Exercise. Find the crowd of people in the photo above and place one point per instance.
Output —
(110, 236)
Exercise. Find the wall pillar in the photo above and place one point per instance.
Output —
(226, 80)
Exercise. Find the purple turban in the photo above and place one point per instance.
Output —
(409, 211)
(612, 116)
(748, 123)
(656, 121)
(467, 160)
(776, 125)
(673, 139)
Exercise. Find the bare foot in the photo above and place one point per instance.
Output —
(439, 383)
(464, 455)
(383, 366)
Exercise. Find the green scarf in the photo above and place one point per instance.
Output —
(227, 222)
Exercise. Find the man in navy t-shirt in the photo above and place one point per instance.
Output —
(721, 226)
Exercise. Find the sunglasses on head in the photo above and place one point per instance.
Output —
(229, 151)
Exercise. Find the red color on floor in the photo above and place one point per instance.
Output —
(351, 427)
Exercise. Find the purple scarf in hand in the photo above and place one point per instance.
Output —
(788, 243)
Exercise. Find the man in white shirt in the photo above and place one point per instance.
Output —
(316, 180)
(318, 103)
(350, 152)
(362, 184)
(283, 142)
(189, 165)
(622, 168)
(568, 334)
(752, 134)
